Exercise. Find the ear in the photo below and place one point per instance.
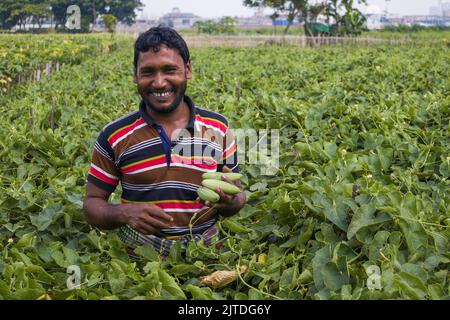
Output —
(135, 77)
(188, 70)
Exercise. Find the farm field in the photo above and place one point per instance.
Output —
(362, 182)
(21, 57)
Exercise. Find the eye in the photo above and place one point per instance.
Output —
(146, 72)
(170, 70)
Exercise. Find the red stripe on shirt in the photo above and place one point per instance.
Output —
(144, 164)
(180, 205)
(121, 132)
(229, 152)
(214, 123)
(103, 177)
(204, 163)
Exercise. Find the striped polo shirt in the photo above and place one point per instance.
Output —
(152, 168)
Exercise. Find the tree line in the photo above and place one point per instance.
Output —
(37, 12)
(342, 17)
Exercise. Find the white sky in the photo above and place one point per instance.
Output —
(218, 8)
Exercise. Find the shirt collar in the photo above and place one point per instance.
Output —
(149, 120)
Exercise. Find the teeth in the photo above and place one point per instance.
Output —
(163, 94)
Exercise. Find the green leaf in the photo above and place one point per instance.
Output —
(58, 257)
(305, 277)
(118, 284)
(436, 291)
(287, 278)
(200, 293)
(170, 285)
(411, 286)
(255, 295)
(321, 258)
(441, 243)
(148, 252)
(26, 241)
(41, 273)
(182, 269)
(290, 243)
(333, 278)
(95, 278)
(330, 149)
(71, 256)
(385, 156)
(27, 294)
(365, 217)
(46, 217)
(413, 231)
(4, 290)
(306, 231)
(240, 296)
(336, 212)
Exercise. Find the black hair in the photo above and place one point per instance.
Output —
(154, 37)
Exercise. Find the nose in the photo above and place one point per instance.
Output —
(159, 81)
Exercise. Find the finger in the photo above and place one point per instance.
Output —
(157, 212)
(144, 229)
(156, 223)
(148, 230)
(224, 178)
(226, 169)
(223, 196)
(200, 200)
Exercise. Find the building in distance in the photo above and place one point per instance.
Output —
(178, 20)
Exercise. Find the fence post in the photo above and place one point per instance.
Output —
(31, 116)
(52, 114)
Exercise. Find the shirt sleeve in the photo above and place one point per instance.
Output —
(229, 154)
(103, 172)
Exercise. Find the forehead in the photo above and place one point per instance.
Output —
(164, 55)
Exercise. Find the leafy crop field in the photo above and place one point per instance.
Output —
(21, 54)
(362, 182)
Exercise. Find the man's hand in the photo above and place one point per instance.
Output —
(145, 218)
(229, 204)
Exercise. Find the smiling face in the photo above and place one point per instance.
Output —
(161, 79)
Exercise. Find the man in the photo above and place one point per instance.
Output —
(158, 154)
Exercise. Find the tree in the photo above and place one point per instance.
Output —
(110, 22)
(207, 26)
(11, 13)
(348, 19)
(123, 10)
(19, 12)
(316, 10)
(293, 9)
(38, 12)
(226, 25)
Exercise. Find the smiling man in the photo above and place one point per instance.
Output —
(158, 154)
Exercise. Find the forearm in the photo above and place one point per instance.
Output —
(103, 215)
